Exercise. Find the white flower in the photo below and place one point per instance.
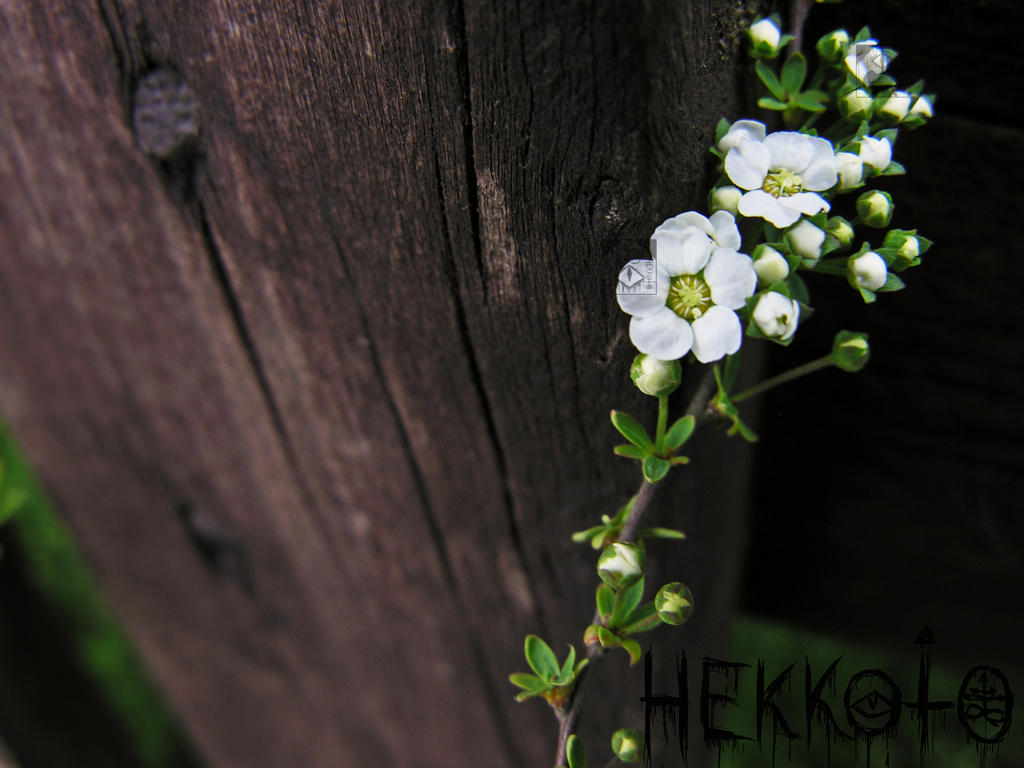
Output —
(868, 270)
(770, 265)
(895, 108)
(866, 61)
(725, 199)
(764, 39)
(851, 170)
(776, 315)
(806, 240)
(876, 152)
(700, 279)
(750, 130)
(620, 564)
(777, 171)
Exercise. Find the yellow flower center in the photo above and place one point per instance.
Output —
(689, 296)
(782, 183)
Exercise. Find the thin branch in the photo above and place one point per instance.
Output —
(568, 718)
(798, 18)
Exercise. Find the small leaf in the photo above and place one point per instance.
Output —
(794, 71)
(775, 105)
(893, 169)
(629, 451)
(625, 602)
(528, 695)
(607, 638)
(868, 296)
(580, 536)
(643, 619)
(771, 82)
(661, 533)
(731, 371)
(632, 647)
(807, 104)
(679, 460)
(527, 681)
(565, 674)
(892, 283)
(632, 431)
(679, 432)
(541, 658)
(574, 753)
(721, 129)
(605, 600)
(655, 468)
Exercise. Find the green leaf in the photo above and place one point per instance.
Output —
(541, 658)
(660, 533)
(629, 451)
(721, 129)
(679, 432)
(526, 695)
(893, 169)
(794, 71)
(580, 536)
(574, 753)
(892, 283)
(808, 104)
(773, 104)
(565, 674)
(632, 431)
(655, 468)
(868, 296)
(643, 619)
(771, 82)
(527, 681)
(732, 370)
(625, 603)
(883, 81)
(605, 600)
(607, 638)
(632, 647)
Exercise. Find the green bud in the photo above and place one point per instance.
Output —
(674, 603)
(620, 565)
(841, 230)
(874, 208)
(628, 745)
(856, 105)
(850, 351)
(725, 199)
(764, 37)
(906, 245)
(655, 377)
(770, 265)
(833, 46)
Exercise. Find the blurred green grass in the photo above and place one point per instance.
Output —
(52, 571)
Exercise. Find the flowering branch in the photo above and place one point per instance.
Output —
(702, 294)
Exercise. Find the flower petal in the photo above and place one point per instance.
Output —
(664, 335)
(742, 130)
(789, 150)
(633, 290)
(683, 252)
(747, 164)
(731, 278)
(807, 203)
(760, 203)
(684, 220)
(822, 172)
(717, 334)
(725, 232)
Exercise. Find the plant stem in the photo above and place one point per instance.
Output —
(798, 17)
(782, 378)
(659, 435)
(568, 718)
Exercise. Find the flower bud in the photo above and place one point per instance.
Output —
(841, 230)
(850, 351)
(875, 208)
(876, 152)
(866, 61)
(894, 108)
(620, 565)
(776, 315)
(674, 603)
(770, 265)
(655, 377)
(628, 745)
(764, 37)
(922, 107)
(805, 240)
(833, 46)
(906, 245)
(851, 170)
(856, 105)
(725, 199)
(867, 271)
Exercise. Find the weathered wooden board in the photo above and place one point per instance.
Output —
(323, 393)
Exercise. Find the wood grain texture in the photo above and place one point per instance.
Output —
(323, 393)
